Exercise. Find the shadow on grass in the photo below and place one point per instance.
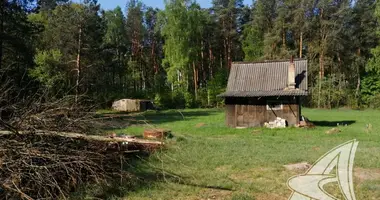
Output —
(143, 177)
(138, 176)
(159, 117)
(333, 123)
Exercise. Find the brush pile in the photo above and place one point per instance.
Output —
(63, 114)
(40, 161)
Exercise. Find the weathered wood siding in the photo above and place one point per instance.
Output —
(132, 105)
(252, 112)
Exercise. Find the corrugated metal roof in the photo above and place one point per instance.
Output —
(269, 78)
(265, 93)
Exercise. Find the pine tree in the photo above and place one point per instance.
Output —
(135, 33)
(115, 42)
(264, 13)
(228, 13)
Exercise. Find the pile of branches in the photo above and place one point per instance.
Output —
(51, 166)
(43, 154)
(64, 114)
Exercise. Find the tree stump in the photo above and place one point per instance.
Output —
(159, 134)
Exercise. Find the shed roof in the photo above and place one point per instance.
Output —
(268, 78)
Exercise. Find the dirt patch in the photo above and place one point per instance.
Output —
(316, 148)
(367, 174)
(223, 168)
(333, 131)
(200, 125)
(303, 166)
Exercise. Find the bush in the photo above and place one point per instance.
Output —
(334, 92)
(370, 90)
(374, 101)
(203, 97)
(178, 99)
(215, 87)
(190, 101)
(163, 100)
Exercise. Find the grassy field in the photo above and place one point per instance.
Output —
(206, 160)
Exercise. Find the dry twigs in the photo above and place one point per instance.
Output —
(42, 156)
(50, 166)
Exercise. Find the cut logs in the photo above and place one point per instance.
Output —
(159, 134)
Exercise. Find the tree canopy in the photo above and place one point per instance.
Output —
(181, 55)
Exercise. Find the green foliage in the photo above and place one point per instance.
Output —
(333, 93)
(202, 100)
(115, 27)
(190, 101)
(178, 99)
(181, 30)
(180, 56)
(49, 70)
(17, 49)
(374, 101)
(253, 45)
(374, 63)
(370, 90)
(163, 100)
(215, 87)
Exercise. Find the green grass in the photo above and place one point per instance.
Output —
(207, 160)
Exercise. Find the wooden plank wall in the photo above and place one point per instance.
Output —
(254, 113)
(230, 115)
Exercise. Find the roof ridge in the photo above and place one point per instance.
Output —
(269, 61)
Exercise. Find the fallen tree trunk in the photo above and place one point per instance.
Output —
(86, 137)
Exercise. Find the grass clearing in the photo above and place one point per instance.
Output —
(207, 160)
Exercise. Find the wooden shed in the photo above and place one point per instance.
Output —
(262, 91)
(132, 105)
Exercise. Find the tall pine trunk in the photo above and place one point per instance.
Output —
(321, 75)
(211, 62)
(78, 64)
(359, 78)
(225, 45)
(230, 41)
(301, 44)
(195, 70)
(2, 19)
(229, 55)
(153, 57)
(283, 36)
(321, 60)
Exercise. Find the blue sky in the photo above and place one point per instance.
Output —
(111, 4)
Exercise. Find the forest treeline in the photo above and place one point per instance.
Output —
(181, 56)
